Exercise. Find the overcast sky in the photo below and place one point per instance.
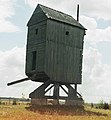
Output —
(94, 15)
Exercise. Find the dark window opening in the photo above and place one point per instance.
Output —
(67, 32)
(36, 31)
(34, 60)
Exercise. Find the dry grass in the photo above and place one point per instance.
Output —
(22, 112)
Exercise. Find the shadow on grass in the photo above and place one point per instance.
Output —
(63, 110)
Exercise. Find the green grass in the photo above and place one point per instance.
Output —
(102, 111)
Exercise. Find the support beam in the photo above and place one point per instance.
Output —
(40, 91)
(76, 87)
(64, 89)
(38, 96)
(49, 88)
(56, 91)
(72, 94)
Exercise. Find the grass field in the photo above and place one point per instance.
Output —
(23, 112)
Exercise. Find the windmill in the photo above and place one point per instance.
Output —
(54, 55)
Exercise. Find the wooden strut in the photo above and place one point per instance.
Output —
(43, 89)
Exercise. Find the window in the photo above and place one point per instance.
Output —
(67, 32)
(34, 60)
(36, 31)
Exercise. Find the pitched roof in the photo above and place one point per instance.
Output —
(60, 16)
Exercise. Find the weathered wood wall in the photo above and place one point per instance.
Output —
(36, 42)
(58, 47)
(63, 61)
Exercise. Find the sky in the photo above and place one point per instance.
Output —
(94, 15)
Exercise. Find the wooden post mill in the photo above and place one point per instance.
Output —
(54, 54)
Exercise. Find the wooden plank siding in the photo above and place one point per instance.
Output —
(57, 40)
(63, 52)
(36, 42)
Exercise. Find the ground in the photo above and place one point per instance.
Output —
(25, 112)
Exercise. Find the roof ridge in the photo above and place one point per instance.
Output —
(54, 10)
(53, 14)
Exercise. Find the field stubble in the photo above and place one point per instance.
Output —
(23, 112)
